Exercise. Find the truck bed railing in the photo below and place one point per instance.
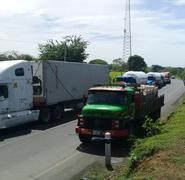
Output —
(149, 107)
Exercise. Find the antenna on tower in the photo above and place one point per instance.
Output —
(127, 41)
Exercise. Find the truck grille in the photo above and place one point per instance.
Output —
(98, 123)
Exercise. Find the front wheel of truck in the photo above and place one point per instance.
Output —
(45, 115)
(84, 139)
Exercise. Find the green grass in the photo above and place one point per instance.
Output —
(114, 74)
(172, 139)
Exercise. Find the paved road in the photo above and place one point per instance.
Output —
(173, 94)
(53, 152)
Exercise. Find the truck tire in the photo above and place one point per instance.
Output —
(45, 115)
(57, 112)
(84, 139)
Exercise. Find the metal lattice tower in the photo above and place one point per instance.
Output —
(127, 44)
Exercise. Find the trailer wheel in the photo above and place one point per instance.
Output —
(84, 139)
(57, 112)
(45, 115)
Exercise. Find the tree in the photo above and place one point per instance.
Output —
(136, 63)
(98, 61)
(118, 65)
(15, 55)
(71, 48)
(157, 68)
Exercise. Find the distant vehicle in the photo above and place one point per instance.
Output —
(173, 77)
(155, 78)
(184, 82)
(167, 77)
(43, 89)
(133, 78)
(163, 82)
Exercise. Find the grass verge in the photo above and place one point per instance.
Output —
(161, 156)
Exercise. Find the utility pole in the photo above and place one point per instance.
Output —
(127, 41)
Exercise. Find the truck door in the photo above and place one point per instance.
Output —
(21, 91)
(4, 100)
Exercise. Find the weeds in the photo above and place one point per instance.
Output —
(151, 127)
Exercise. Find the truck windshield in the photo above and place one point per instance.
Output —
(151, 78)
(107, 97)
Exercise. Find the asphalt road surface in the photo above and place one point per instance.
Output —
(53, 152)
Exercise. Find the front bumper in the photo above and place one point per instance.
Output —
(114, 133)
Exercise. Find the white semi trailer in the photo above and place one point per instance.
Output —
(30, 91)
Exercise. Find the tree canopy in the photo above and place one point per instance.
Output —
(118, 65)
(15, 55)
(157, 68)
(71, 48)
(136, 63)
(98, 61)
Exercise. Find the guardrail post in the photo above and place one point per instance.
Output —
(108, 149)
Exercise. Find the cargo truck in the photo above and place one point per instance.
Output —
(31, 91)
(167, 77)
(132, 77)
(118, 110)
(155, 78)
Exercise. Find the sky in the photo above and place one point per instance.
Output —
(158, 27)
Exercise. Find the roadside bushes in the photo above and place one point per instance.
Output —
(151, 127)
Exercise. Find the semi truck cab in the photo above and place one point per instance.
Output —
(16, 93)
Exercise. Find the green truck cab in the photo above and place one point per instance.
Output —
(116, 109)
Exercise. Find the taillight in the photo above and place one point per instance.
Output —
(81, 121)
(115, 124)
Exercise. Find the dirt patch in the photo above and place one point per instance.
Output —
(164, 165)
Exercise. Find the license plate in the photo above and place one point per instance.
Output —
(97, 133)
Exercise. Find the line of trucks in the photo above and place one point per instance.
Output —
(158, 79)
(32, 91)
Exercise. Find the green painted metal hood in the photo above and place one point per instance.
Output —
(109, 111)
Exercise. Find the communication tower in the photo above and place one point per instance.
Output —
(127, 42)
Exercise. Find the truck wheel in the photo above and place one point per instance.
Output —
(57, 112)
(85, 139)
(45, 115)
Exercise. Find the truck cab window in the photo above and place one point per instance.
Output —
(19, 72)
(3, 91)
(107, 97)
